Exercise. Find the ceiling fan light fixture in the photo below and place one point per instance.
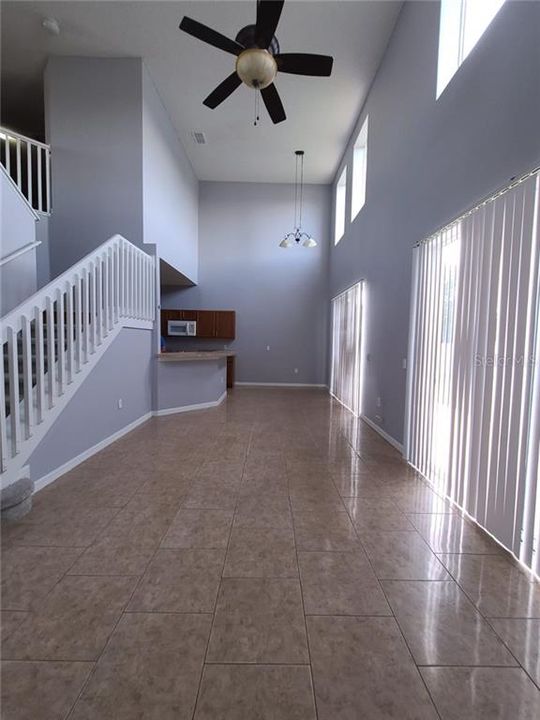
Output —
(256, 68)
(309, 242)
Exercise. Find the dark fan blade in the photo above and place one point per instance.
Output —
(268, 14)
(304, 64)
(273, 103)
(222, 92)
(207, 35)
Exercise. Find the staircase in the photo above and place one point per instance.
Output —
(52, 341)
(28, 163)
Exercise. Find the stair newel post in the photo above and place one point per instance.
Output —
(78, 323)
(110, 286)
(27, 376)
(3, 433)
(14, 399)
(69, 331)
(40, 363)
(60, 341)
(39, 179)
(99, 300)
(122, 277)
(51, 370)
(139, 286)
(131, 281)
(116, 282)
(47, 179)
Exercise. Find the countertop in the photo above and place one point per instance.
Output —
(195, 355)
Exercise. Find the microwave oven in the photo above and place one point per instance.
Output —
(182, 328)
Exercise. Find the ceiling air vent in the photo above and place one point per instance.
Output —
(199, 138)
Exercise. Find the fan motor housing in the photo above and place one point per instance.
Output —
(246, 37)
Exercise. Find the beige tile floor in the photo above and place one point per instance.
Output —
(271, 559)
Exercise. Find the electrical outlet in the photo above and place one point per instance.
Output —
(404, 363)
(296, 371)
(379, 402)
(120, 403)
(267, 348)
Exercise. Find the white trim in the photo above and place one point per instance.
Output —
(188, 408)
(21, 251)
(263, 384)
(382, 433)
(101, 445)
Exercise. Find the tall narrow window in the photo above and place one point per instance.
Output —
(341, 197)
(346, 375)
(462, 24)
(473, 421)
(359, 171)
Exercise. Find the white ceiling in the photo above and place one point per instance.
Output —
(321, 112)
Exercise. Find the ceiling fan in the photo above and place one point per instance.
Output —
(258, 59)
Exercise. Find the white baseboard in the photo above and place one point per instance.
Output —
(383, 434)
(189, 408)
(283, 385)
(70, 464)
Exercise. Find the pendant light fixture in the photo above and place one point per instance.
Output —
(298, 236)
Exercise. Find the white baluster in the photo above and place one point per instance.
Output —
(60, 341)
(70, 324)
(39, 150)
(78, 324)
(51, 369)
(105, 266)
(29, 171)
(40, 364)
(19, 164)
(27, 377)
(8, 154)
(92, 306)
(86, 313)
(47, 180)
(13, 375)
(3, 423)
(99, 300)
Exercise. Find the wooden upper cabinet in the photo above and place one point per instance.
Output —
(206, 324)
(226, 324)
(219, 324)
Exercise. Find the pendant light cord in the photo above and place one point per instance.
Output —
(301, 188)
(296, 193)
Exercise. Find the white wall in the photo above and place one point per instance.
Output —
(18, 278)
(170, 188)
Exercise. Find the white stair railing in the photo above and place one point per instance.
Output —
(28, 163)
(55, 335)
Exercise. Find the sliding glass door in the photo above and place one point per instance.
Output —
(473, 422)
(346, 369)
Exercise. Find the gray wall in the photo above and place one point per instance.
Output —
(280, 296)
(170, 188)
(18, 277)
(180, 384)
(93, 123)
(92, 415)
(428, 160)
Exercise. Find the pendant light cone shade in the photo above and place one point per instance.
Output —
(298, 236)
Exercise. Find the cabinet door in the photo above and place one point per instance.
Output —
(226, 324)
(189, 314)
(206, 325)
(167, 315)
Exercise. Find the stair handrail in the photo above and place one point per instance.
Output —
(37, 164)
(51, 336)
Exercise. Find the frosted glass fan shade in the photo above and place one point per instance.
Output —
(285, 243)
(256, 68)
(309, 242)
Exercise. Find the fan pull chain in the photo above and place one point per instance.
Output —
(256, 111)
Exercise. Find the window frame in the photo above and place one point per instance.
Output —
(340, 206)
(359, 174)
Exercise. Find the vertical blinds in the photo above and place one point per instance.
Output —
(473, 412)
(346, 372)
